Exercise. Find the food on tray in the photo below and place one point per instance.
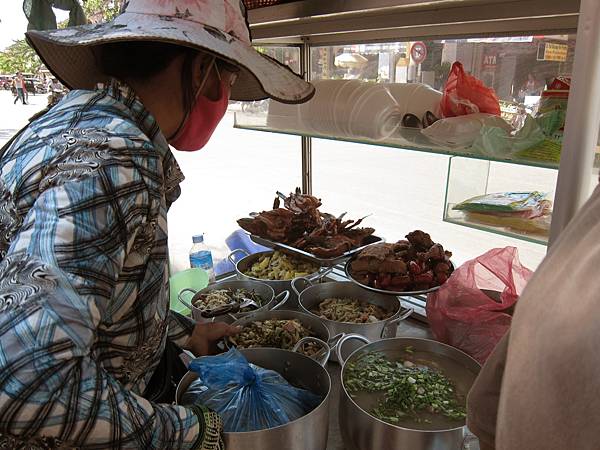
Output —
(275, 333)
(300, 224)
(528, 212)
(279, 266)
(414, 264)
(408, 390)
(221, 297)
(350, 310)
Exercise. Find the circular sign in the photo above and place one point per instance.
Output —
(418, 52)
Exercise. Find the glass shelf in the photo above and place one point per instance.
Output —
(401, 138)
(469, 178)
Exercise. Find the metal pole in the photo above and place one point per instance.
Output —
(306, 140)
(583, 119)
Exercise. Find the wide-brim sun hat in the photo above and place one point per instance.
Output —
(219, 27)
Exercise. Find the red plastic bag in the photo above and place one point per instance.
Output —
(464, 313)
(465, 94)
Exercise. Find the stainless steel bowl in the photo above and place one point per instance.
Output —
(270, 300)
(307, 432)
(319, 330)
(362, 431)
(278, 286)
(310, 295)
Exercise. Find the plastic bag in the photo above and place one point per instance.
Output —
(497, 142)
(473, 309)
(465, 94)
(462, 131)
(247, 397)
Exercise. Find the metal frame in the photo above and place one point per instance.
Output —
(305, 66)
(341, 22)
(583, 119)
(345, 21)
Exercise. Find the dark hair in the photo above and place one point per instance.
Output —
(140, 60)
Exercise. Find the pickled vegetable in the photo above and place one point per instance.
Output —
(279, 266)
(283, 334)
(221, 297)
(350, 311)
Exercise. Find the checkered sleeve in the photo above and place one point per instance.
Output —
(56, 284)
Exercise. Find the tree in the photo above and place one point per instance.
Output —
(101, 10)
(19, 57)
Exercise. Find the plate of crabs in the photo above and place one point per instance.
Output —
(298, 226)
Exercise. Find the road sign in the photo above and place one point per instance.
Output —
(418, 52)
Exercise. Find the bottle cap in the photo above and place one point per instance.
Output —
(198, 239)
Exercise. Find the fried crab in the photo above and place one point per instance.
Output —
(300, 224)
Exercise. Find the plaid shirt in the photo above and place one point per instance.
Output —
(84, 304)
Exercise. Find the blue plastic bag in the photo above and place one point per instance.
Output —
(247, 397)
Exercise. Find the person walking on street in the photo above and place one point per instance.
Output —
(20, 87)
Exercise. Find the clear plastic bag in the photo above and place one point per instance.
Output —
(247, 397)
(473, 309)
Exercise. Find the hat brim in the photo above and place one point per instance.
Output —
(68, 54)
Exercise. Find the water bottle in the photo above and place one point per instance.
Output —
(200, 256)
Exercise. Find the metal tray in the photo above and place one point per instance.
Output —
(388, 292)
(323, 262)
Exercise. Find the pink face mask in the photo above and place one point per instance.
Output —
(202, 120)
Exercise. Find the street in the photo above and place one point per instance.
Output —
(239, 172)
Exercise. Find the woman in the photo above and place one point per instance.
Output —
(88, 347)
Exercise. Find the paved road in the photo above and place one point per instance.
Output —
(239, 171)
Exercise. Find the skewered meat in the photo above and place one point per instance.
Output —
(413, 264)
(303, 226)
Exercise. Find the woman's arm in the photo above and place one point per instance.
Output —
(56, 284)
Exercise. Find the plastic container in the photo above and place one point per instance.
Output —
(196, 279)
(201, 257)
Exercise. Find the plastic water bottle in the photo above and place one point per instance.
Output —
(200, 256)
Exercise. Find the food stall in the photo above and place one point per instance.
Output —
(521, 49)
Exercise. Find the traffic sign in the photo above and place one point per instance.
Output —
(418, 52)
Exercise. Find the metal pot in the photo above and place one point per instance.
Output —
(278, 286)
(271, 301)
(310, 295)
(319, 330)
(362, 431)
(307, 432)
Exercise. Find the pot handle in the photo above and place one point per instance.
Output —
(306, 283)
(343, 339)
(235, 252)
(185, 302)
(325, 348)
(322, 273)
(396, 320)
(280, 300)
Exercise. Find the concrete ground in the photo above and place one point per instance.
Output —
(239, 172)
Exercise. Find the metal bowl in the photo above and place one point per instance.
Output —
(310, 295)
(299, 370)
(362, 431)
(317, 327)
(385, 291)
(270, 300)
(278, 286)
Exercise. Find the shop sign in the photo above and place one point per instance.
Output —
(490, 61)
(550, 51)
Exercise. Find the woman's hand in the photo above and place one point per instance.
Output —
(205, 337)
